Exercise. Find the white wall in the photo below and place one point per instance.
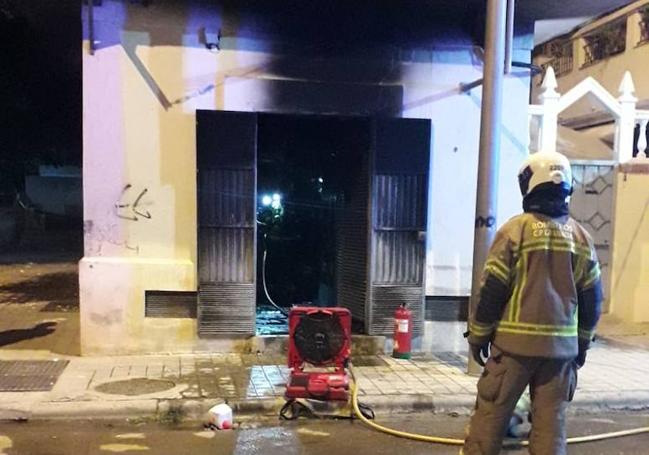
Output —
(141, 89)
(456, 130)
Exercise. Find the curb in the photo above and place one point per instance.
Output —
(174, 410)
(620, 401)
(196, 409)
(94, 409)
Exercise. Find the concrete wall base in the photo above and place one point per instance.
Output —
(112, 306)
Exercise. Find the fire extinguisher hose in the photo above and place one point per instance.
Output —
(459, 442)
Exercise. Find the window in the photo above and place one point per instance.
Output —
(604, 42)
(561, 61)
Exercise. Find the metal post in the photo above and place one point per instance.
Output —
(490, 119)
(91, 27)
(509, 37)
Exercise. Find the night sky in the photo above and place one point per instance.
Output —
(40, 86)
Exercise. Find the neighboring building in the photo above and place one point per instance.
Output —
(609, 51)
(154, 64)
(56, 190)
(603, 48)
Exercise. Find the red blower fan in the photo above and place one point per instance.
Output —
(319, 339)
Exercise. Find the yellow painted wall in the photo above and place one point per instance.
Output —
(630, 261)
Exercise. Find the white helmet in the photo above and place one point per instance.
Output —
(545, 170)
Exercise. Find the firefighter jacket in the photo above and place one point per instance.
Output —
(541, 290)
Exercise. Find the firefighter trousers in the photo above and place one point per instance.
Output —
(552, 385)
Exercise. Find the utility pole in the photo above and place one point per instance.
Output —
(488, 159)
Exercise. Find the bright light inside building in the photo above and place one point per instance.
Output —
(320, 179)
(266, 200)
(276, 201)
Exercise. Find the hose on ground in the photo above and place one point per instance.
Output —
(459, 442)
(263, 280)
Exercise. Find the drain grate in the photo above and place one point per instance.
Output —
(30, 375)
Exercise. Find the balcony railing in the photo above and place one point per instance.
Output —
(609, 40)
(561, 59)
(561, 65)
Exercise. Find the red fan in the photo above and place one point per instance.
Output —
(319, 338)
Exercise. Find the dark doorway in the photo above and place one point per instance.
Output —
(335, 204)
(307, 170)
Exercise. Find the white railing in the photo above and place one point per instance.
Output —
(622, 109)
(641, 121)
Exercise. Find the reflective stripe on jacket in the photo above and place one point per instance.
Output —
(541, 288)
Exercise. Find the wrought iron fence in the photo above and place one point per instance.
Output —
(592, 206)
(561, 65)
(562, 57)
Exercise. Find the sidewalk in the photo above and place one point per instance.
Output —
(185, 386)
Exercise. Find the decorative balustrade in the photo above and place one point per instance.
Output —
(632, 124)
(641, 134)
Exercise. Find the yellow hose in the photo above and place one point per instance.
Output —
(393, 432)
(459, 442)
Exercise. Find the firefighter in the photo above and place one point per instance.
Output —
(540, 301)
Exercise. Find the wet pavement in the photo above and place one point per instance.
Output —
(614, 378)
(40, 306)
(270, 321)
(309, 437)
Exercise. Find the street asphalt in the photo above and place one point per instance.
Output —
(307, 437)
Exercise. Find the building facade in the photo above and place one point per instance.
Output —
(148, 66)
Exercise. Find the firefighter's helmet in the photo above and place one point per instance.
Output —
(545, 170)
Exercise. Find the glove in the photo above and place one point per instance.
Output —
(478, 351)
(580, 360)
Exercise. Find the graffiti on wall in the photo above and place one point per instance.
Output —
(130, 205)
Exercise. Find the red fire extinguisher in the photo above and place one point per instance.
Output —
(402, 332)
